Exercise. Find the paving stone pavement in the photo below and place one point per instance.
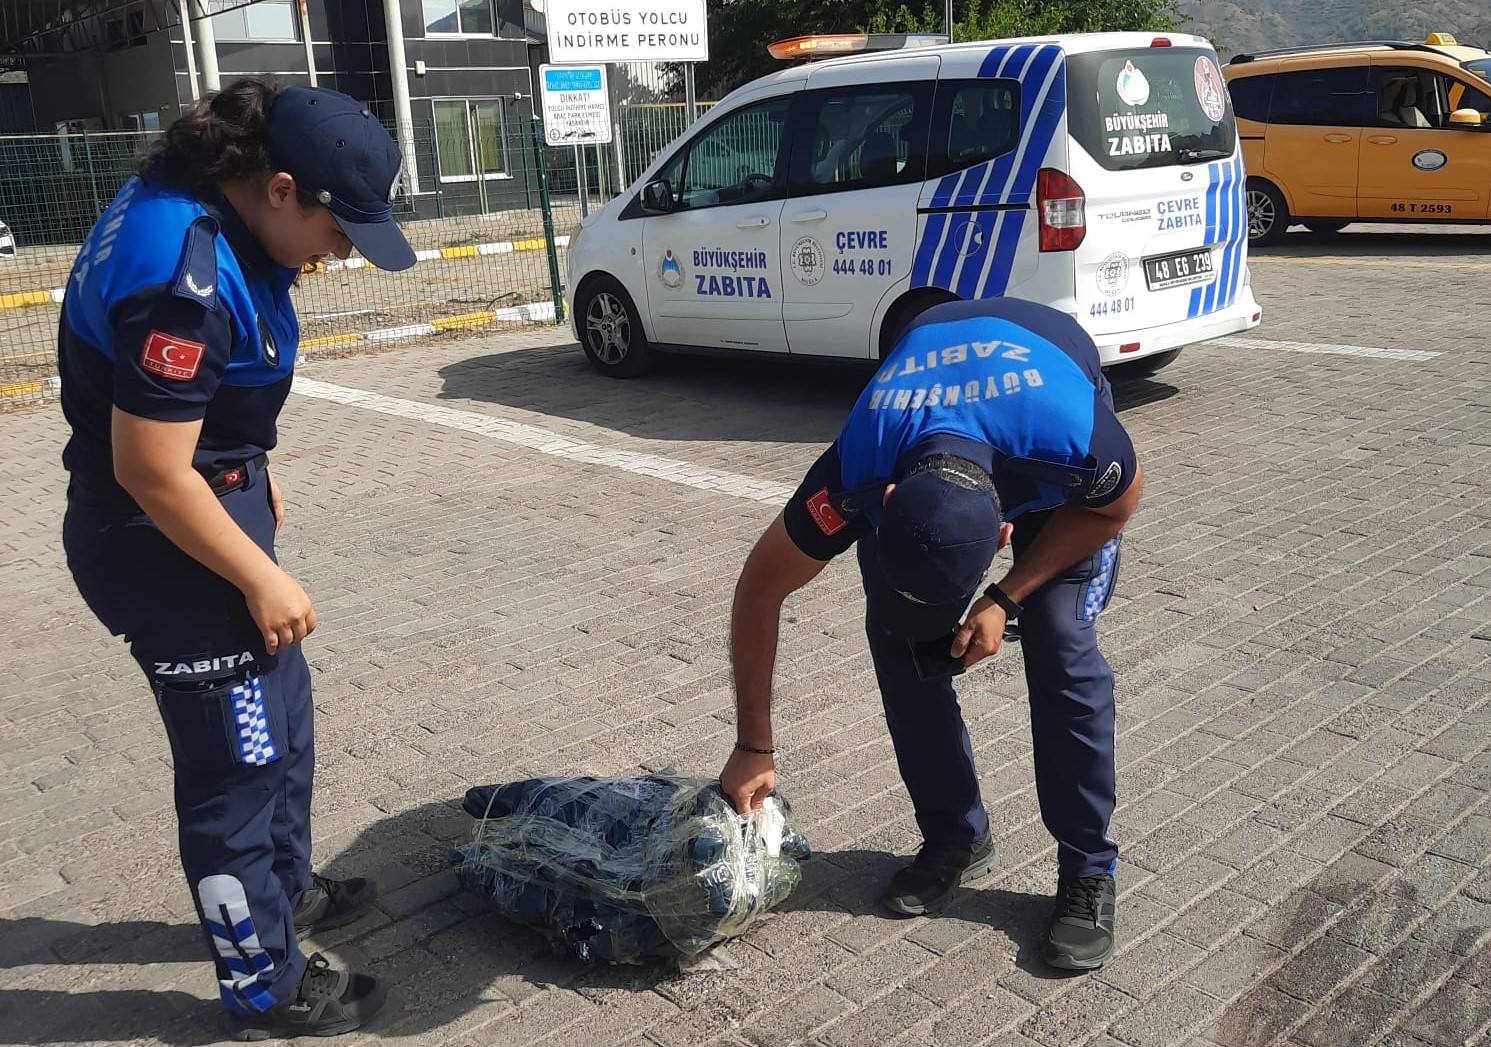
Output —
(1302, 635)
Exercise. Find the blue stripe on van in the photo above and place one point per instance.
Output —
(965, 187)
(926, 251)
(997, 279)
(1209, 237)
(1240, 235)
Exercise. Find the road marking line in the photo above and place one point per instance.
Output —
(1318, 347)
(1397, 263)
(546, 442)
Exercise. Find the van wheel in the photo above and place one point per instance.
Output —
(610, 332)
(1325, 226)
(1268, 214)
(905, 311)
(1145, 367)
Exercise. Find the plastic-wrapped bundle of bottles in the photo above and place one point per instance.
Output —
(628, 870)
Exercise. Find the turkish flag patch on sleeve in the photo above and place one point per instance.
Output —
(825, 515)
(172, 357)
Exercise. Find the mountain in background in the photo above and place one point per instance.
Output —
(1249, 25)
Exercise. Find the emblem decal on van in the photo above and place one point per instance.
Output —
(1429, 159)
(1113, 273)
(669, 271)
(1209, 90)
(807, 261)
(1133, 87)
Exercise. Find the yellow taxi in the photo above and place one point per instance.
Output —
(1382, 131)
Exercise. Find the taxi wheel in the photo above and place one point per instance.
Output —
(1327, 226)
(610, 332)
(1268, 214)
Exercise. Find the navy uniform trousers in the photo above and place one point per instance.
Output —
(239, 724)
(1071, 716)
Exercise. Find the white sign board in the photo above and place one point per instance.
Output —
(585, 31)
(576, 105)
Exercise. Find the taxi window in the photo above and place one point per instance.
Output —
(1332, 97)
(862, 138)
(733, 162)
(1154, 107)
(1414, 97)
(1251, 96)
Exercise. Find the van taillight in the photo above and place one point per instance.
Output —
(1063, 211)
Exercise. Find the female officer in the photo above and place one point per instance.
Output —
(176, 347)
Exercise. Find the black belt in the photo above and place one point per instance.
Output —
(236, 478)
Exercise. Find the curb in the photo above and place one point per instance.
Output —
(22, 299)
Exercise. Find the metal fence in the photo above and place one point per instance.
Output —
(490, 224)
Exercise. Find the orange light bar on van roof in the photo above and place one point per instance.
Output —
(834, 44)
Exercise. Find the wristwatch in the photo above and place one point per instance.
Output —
(1011, 609)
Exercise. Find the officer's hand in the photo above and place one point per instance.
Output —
(277, 501)
(748, 779)
(281, 609)
(980, 636)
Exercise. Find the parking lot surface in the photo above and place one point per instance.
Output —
(523, 568)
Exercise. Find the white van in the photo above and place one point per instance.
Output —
(816, 211)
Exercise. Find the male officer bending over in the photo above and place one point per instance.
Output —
(985, 412)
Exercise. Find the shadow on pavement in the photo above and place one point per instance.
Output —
(851, 882)
(1367, 241)
(695, 398)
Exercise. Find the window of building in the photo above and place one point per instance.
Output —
(262, 20)
(146, 121)
(469, 140)
(458, 17)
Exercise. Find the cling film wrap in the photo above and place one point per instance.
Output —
(629, 870)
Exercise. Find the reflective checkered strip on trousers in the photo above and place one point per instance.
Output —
(255, 744)
(1097, 589)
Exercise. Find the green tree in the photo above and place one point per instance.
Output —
(739, 30)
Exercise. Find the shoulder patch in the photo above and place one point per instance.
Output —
(1106, 483)
(196, 272)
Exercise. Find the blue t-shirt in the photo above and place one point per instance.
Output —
(1016, 387)
(173, 312)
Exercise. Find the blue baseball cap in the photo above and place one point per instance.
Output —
(938, 533)
(335, 149)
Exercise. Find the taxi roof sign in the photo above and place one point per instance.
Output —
(1442, 39)
(834, 45)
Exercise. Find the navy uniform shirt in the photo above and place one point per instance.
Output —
(173, 312)
(1013, 386)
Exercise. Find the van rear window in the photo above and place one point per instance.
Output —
(1150, 107)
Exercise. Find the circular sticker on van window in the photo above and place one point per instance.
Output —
(807, 261)
(1209, 90)
(1133, 87)
(1113, 273)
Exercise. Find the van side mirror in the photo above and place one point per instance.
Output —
(1466, 118)
(657, 197)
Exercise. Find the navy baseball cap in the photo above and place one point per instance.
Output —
(938, 533)
(335, 149)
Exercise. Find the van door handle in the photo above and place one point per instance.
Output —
(1382, 139)
(810, 216)
(1337, 138)
(759, 221)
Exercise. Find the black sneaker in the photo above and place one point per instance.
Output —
(328, 1003)
(924, 885)
(329, 903)
(1080, 937)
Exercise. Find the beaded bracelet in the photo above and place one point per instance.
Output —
(743, 747)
